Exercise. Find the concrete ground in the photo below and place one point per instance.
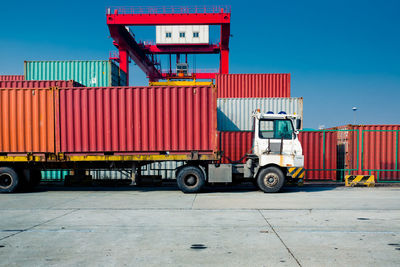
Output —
(234, 226)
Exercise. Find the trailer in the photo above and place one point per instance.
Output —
(84, 128)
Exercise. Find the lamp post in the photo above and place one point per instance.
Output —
(354, 111)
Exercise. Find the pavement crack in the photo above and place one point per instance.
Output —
(287, 248)
(194, 199)
(36, 225)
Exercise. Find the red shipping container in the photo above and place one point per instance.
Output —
(38, 84)
(253, 85)
(235, 145)
(12, 77)
(319, 163)
(372, 148)
(138, 119)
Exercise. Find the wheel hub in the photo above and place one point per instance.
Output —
(190, 180)
(271, 179)
(5, 180)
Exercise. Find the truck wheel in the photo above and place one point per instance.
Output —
(190, 179)
(9, 180)
(270, 180)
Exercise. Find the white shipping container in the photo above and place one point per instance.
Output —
(182, 34)
(234, 114)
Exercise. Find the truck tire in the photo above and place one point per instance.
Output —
(9, 180)
(190, 179)
(270, 180)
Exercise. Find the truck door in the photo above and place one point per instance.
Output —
(275, 136)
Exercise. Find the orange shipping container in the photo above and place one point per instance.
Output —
(27, 120)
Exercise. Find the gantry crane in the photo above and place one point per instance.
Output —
(145, 55)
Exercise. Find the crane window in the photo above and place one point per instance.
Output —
(276, 129)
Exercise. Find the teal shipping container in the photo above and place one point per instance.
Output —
(91, 73)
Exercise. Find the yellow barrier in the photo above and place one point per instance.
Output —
(352, 180)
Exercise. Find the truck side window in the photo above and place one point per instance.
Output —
(266, 129)
(276, 129)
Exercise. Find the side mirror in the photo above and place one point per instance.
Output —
(298, 124)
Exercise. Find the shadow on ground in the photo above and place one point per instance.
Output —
(209, 189)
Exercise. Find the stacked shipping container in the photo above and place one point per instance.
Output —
(234, 114)
(238, 96)
(12, 77)
(253, 85)
(38, 84)
(87, 72)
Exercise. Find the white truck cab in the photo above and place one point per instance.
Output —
(277, 153)
(275, 140)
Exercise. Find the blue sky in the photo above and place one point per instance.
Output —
(340, 53)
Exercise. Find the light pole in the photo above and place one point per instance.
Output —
(354, 110)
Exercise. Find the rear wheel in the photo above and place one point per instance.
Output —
(270, 180)
(9, 180)
(190, 179)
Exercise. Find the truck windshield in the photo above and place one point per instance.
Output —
(276, 129)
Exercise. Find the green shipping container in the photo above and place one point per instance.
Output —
(92, 73)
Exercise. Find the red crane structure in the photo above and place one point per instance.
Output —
(144, 55)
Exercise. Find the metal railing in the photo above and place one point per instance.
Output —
(396, 156)
(338, 159)
(170, 9)
(350, 156)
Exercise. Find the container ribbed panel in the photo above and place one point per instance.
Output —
(88, 73)
(234, 114)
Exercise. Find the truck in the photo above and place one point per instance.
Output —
(276, 157)
(84, 128)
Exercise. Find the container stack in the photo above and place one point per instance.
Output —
(40, 76)
(241, 94)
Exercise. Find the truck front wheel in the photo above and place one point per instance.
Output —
(9, 180)
(190, 179)
(270, 180)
